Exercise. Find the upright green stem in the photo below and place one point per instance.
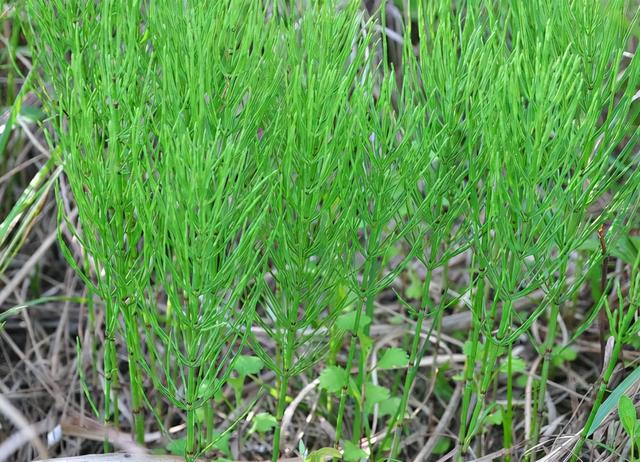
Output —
(110, 359)
(371, 269)
(287, 359)
(470, 364)
(548, 350)
(489, 356)
(132, 337)
(91, 310)
(208, 419)
(490, 360)
(282, 398)
(110, 370)
(191, 443)
(191, 447)
(414, 361)
(538, 409)
(361, 415)
(618, 334)
(507, 422)
(351, 355)
(343, 392)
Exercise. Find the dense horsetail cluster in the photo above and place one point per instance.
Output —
(251, 177)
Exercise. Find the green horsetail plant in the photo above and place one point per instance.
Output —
(601, 181)
(159, 122)
(550, 160)
(625, 327)
(202, 201)
(99, 99)
(321, 127)
(441, 85)
(388, 174)
(236, 164)
(380, 170)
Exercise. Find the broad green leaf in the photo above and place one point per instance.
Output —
(248, 365)
(333, 378)
(322, 454)
(177, 447)
(353, 453)
(366, 343)
(442, 446)
(628, 415)
(517, 365)
(205, 387)
(374, 394)
(495, 418)
(393, 358)
(521, 381)
(389, 406)
(466, 349)
(347, 321)
(611, 402)
(263, 422)
(221, 442)
(414, 289)
(562, 354)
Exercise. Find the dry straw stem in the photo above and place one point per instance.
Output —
(14, 415)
